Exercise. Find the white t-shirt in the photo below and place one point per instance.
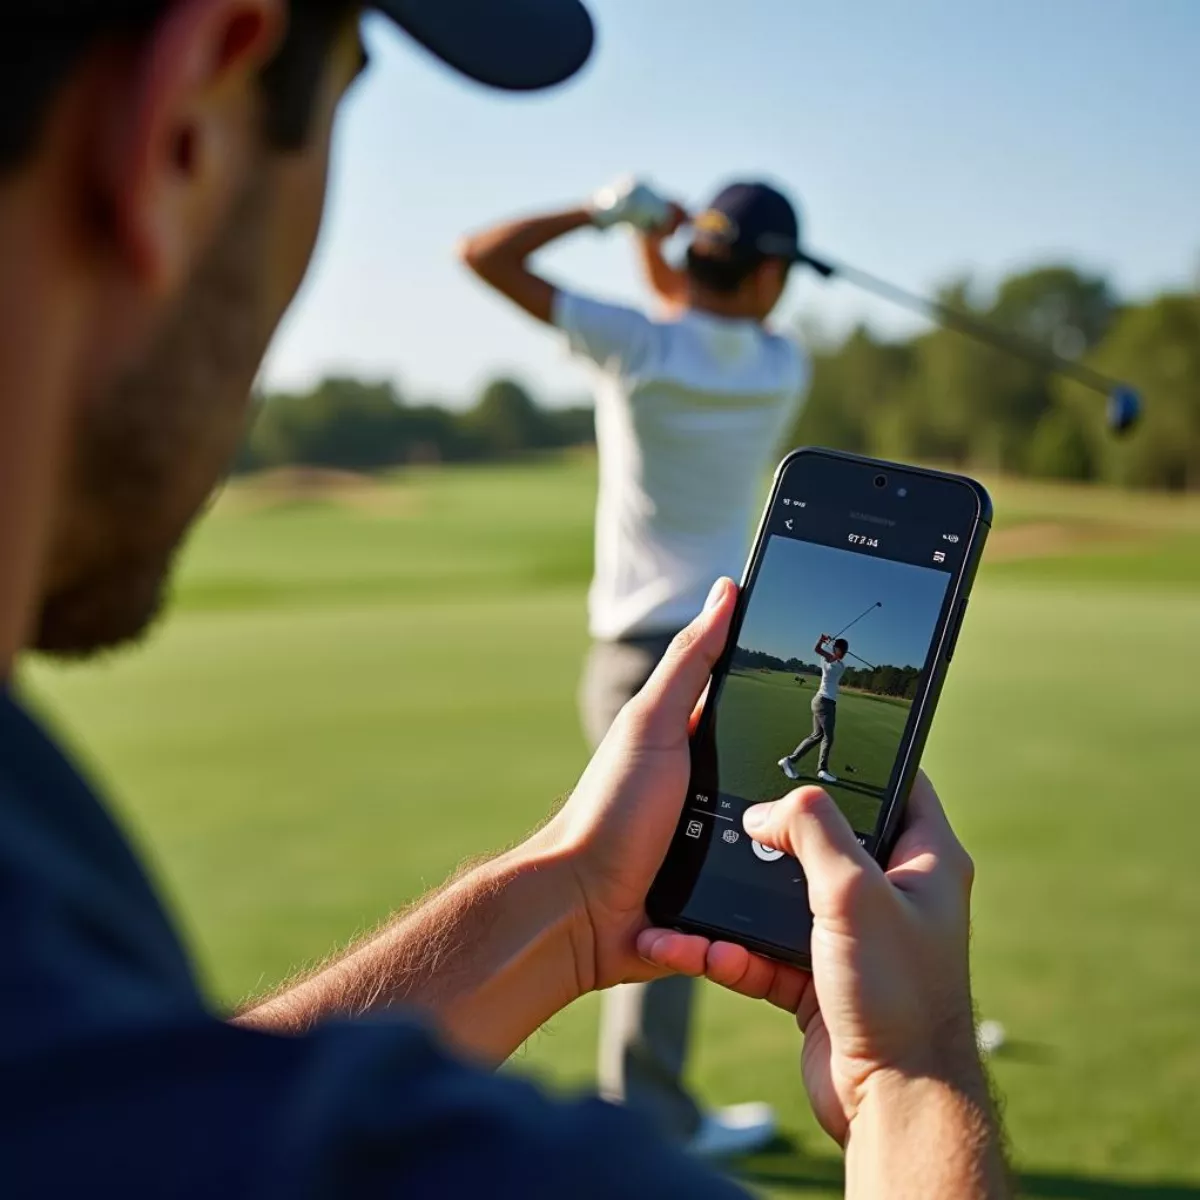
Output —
(831, 677)
(690, 413)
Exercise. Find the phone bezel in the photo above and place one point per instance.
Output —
(917, 729)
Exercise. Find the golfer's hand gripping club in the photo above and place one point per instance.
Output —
(629, 201)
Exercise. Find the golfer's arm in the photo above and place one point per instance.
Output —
(487, 960)
(499, 257)
(667, 282)
(927, 1138)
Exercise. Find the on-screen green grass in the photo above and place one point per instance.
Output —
(765, 715)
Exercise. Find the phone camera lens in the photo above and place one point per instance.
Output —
(881, 481)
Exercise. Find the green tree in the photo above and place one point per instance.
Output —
(343, 423)
(854, 389)
(1060, 447)
(1057, 307)
(1156, 347)
(507, 421)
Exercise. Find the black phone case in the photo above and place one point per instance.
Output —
(926, 703)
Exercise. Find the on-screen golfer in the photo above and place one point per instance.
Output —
(692, 404)
(824, 710)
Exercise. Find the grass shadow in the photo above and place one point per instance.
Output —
(1036, 1054)
(1065, 1186)
(863, 789)
(785, 1165)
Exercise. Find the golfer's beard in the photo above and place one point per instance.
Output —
(151, 450)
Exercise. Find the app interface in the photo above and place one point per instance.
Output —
(834, 646)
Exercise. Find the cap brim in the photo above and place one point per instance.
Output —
(518, 45)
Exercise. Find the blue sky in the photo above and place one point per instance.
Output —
(922, 139)
(805, 590)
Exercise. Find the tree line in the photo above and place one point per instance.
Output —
(349, 424)
(900, 682)
(939, 396)
(760, 660)
(936, 396)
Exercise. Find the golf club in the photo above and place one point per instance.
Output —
(870, 666)
(1124, 402)
(877, 604)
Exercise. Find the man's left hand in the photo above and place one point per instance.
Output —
(616, 828)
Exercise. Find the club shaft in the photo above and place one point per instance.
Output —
(856, 620)
(964, 323)
(862, 660)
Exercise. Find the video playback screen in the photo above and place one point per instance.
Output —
(828, 662)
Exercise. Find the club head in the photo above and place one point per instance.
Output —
(1124, 410)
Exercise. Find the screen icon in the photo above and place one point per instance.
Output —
(786, 500)
(950, 537)
(694, 829)
(939, 556)
(787, 525)
(766, 853)
(730, 836)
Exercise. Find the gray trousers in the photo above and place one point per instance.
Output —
(824, 713)
(644, 1027)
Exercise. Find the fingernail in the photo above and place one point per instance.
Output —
(715, 595)
(756, 817)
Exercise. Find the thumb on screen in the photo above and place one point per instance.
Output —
(810, 827)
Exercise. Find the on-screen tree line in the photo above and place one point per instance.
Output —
(900, 682)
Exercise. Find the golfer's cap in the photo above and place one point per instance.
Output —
(518, 45)
(749, 220)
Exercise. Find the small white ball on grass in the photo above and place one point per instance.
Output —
(990, 1037)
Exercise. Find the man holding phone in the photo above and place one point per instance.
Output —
(692, 404)
(824, 710)
(162, 175)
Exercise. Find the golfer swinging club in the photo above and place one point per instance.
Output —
(691, 407)
(824, 710)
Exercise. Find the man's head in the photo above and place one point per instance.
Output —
(841, 648)
(744, 246)
(162, 179)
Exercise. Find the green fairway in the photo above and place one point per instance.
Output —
(355, 694)
(765, 714)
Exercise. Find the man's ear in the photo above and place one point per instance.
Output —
(184, 132)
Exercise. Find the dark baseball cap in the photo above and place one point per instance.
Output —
(519, 45)
(747, 221)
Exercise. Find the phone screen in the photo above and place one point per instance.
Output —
(845, 608)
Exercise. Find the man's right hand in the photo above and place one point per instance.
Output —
(887, 1016)
(890, 987)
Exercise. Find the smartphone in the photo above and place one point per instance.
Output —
(850, 608)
